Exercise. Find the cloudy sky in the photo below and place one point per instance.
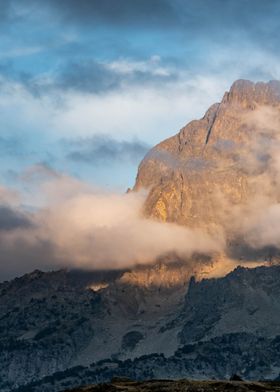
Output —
(87, 86)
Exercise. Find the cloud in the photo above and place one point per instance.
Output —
(81, 227)
(121, 13)
(89, 76)
(104, 150)
(118, 74)
(11, 219)
(145, 107)
(39, 173)
(255, 223)
(263, 228)
(250, 220)
(130, 70)
(196, 16)
(139, 113)
(95, 77)
(200, 20)
(8, 196)
(107, 231)
(76, 225)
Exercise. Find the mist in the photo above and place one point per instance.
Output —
(57, 221)
(256, 222)
(75, 225)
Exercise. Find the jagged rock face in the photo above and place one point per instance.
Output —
(44, 320)
(55, 320)
(246, 300)
(141, 322)
(55, 334)
(210, 159)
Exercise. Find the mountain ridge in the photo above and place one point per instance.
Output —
(218, 174)
(205, 346)
(179, 170)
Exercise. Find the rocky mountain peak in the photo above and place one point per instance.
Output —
(215, 164)
(247, 92)
(61, 329)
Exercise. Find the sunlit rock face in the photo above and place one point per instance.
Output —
(197, 177)
(154, 320)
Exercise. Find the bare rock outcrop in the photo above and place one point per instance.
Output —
(197, 177)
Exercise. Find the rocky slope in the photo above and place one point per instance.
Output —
(204, 175)
(62, 329)
(60, 336)
(219, 358)
(246, 300)
(52, 321)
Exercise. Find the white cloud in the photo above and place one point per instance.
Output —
(147, 113)
(150, 113)
(89, 229)
(152, 66)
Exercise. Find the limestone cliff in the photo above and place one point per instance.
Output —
(195, 177)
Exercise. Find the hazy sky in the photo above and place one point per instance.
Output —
(88, 85)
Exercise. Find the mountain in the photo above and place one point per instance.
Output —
(184, 172)
(44, 320)
(56, 320)
(174, 318)
(210, 173)
(242, 301)
(224, 326)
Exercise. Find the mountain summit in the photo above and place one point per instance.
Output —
(216, 163)
(219, 174)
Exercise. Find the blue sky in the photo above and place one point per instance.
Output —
(88, 86)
